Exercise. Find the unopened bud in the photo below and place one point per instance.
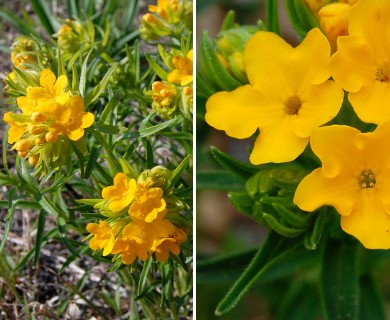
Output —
(38, 117)
(51, 137)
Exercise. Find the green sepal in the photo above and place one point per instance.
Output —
(294, 218)
(242, 202)
(260, 183)
(212, 69)
(278, 226)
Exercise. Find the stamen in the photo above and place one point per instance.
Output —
(292, 105)
(383, 73)
(366, 179)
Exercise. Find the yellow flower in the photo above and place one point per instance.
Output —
(289, 95)
(17, 129)
(121, 194)
(163, 246)
(103, 237)
(130, 249)
(51, 90)
(362, 63)
(354, 178)
(183, 69)
(70, 119)
(334, 20)
(149, 205)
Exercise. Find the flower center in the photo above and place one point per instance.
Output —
(292, 105)
(383, 73)
(366, 179)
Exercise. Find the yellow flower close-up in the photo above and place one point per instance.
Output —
(103, 237)
(354, 178)
(121, 194)
(183, 69)
(51, 90)
(289, 95)
(362, 63)
(149, 205)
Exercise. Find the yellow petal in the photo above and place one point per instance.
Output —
(93, 228)
(376, 15)
(266, 61)
(26, 105)
(47, 80)
(241, 112)
(61, 85)
(372, 103)
(87, 119)
(76, 134)
(315, 191)
(353, 66)
(321, 106)
(334, 146)
(368, 222)
(108, 246)
(273, 66)
(277, 144)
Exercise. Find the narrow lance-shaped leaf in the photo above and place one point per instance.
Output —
(340, 280)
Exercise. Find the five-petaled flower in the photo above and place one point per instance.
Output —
(289, 95)
(103, 237)
(121, 194)
(362, 63)
(354, 178)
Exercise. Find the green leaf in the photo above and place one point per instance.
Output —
(18, 23)
(39, 237)
(229, 21)
(83, 76)
(162, 74)
(45, 16)
(272, 8)
(300, 17)
(224, 268)
(272, 251)
(95, 93)
(340, 279)
(144, 275)
(242, 170)
(176, 174)
(218, 180)
(154, 129)
(128, 169)
(371, 301)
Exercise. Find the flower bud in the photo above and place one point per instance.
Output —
(38, 117)
(155, 177)
(22, 145)
(164, 99)
(230, 45)
(33, 159)
(51, 137)
(334, 21)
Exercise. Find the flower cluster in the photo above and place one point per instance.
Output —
(49, 113)
(72, 35)
(174, 93)
(291, 95)
(167, 18)
(139, 222)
